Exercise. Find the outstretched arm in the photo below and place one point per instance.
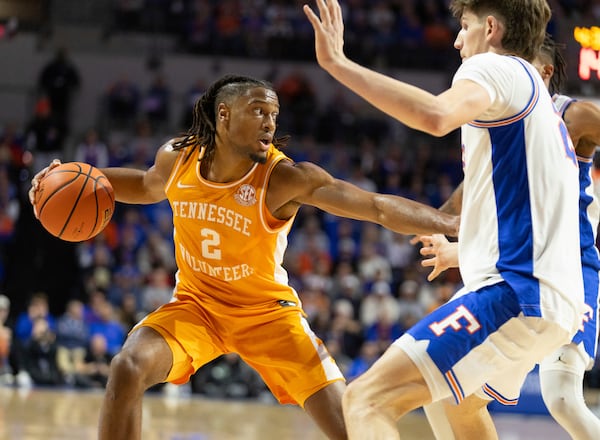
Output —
(414, 107)
(292, 185)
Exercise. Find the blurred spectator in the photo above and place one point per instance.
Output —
(39, 355)
(156, 104)
(378, 300)
(142, 145)
(36, 308)
(373, 266)
(92, 308)
(347, 285)
(11, 150)
(369, 353)
(443, 293)
(199, 32)
(191, 97)
(59, 80)
(253, 25)
(399, 252)
(278, 30)
(228, 28)
(44, 135)
(128, 313)
(109, 327)
(92, 150)
(92, 371)
(9, 212)
(122, 103)
(6, 373)
(411, 310)
(297, 95)
(316, 305)
(384, 330)
(345, 329)
(158, 290)
(156, 251)
(72, 337)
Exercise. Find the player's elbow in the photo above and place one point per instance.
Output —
(438, 124)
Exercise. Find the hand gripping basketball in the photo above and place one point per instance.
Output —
(74, 201)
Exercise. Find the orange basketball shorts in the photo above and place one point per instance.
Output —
(275, 340)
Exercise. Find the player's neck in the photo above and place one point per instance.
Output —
(223, 168)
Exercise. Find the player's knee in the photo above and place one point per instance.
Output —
(560, 405)
(360, 401)
(356, 399)
(128, 369)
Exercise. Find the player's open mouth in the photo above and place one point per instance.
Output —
(266, 143)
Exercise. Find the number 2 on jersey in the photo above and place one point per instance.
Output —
(210, 244)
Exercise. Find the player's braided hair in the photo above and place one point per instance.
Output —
(553, 51)
(203, 131)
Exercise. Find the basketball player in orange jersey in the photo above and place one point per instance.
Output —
(234, 197)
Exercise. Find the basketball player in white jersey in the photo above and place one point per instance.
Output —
(519, 241)
(562, 373)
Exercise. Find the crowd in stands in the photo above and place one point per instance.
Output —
(68, 307)
(377, 31)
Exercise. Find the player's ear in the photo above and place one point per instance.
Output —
(222, 112)
(547, 70)
(494, 30)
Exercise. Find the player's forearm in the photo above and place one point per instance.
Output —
(130, 186)
(409, 217)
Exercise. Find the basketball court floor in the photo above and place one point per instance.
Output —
(43, 414)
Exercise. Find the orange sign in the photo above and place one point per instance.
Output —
(589, 55)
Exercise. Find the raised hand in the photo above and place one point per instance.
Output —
(329, 32)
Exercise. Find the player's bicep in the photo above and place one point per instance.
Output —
(154, 184)
(157, 176)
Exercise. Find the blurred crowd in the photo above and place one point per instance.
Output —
(377, 31)
(67, 308)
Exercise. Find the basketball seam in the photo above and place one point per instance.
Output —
(68, 219)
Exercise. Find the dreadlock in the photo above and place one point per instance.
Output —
(203, 131)
(552, 51)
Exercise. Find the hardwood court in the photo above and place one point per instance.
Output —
(42, 414)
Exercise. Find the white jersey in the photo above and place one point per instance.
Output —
(519, 218)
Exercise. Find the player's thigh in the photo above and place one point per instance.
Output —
(188, 336)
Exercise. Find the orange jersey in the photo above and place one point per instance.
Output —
(228, 246)
(232, 293)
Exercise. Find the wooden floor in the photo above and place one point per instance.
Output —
(40, 414)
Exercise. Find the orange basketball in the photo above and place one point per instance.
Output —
(75, 201)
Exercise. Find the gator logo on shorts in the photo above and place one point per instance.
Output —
(286, 303)
(245, 195)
